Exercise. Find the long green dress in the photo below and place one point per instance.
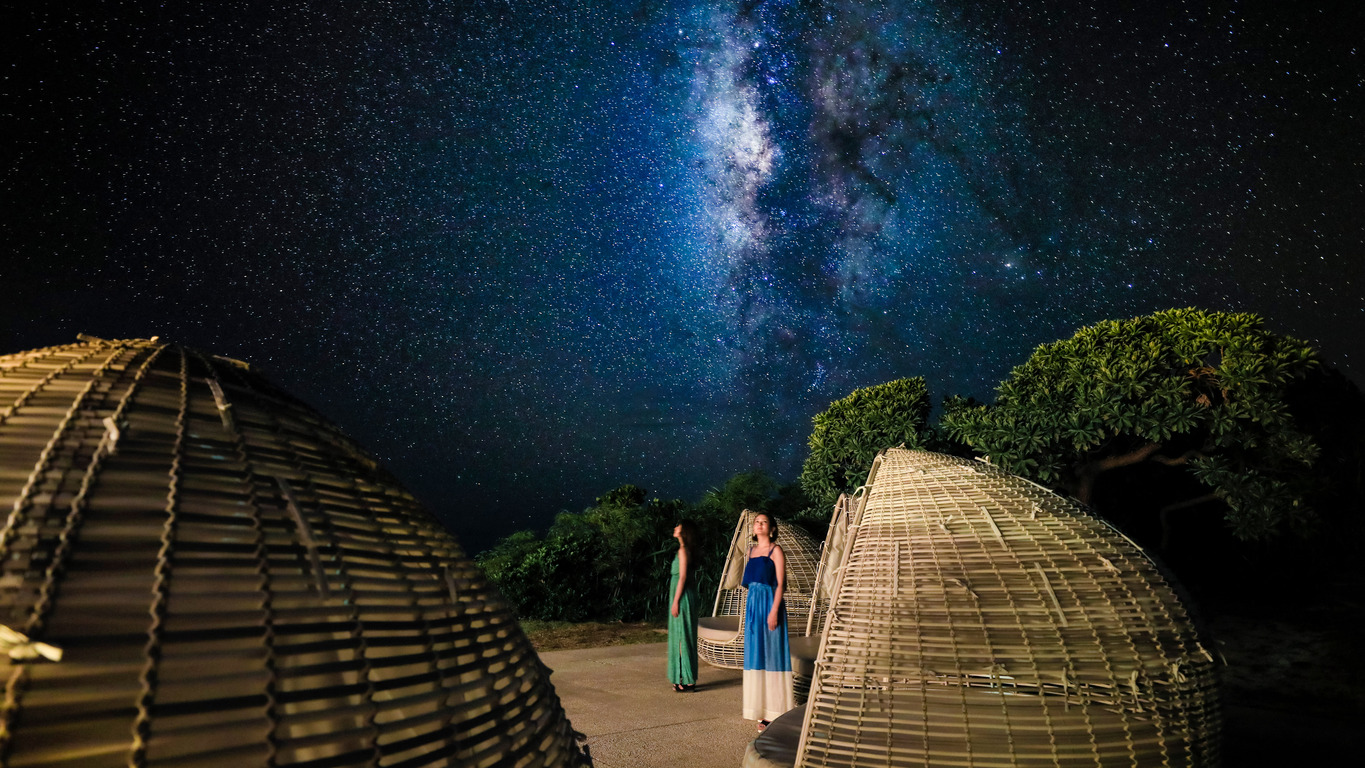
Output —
(682, 631)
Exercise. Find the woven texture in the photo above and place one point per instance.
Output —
(199, 570)
(981, 620)
(826, 576)
(803, 558)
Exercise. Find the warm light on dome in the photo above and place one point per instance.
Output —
(199, 569)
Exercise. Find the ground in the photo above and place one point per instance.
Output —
(1293, 686)
(565, 636)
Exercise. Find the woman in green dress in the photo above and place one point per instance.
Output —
(682, 614)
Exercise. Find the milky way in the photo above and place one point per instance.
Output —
(528, 251)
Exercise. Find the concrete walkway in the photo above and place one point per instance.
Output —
(620, 698)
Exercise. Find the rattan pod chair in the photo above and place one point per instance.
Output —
(805, 641)
(983, 620)
(720, 637)
(197, 569)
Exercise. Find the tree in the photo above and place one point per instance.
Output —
(793, 505)
(1203, 392)
(606, 563)
(754, 489)
(631, 535)
(849, 434)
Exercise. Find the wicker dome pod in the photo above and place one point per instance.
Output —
(199, 570)
(720, 637)
(981, 620)
(805, 647)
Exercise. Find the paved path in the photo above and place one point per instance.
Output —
(620, 698)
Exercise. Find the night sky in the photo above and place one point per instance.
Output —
(527, 251)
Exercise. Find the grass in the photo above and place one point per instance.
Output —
(565, 635)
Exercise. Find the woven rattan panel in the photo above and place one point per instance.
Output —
(827, 573)
(230, 581)
(981, 620)
(803, 560)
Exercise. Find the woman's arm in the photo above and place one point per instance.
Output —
(682, 578)
(780, 565)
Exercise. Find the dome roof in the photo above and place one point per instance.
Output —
(981, 619)
(199, 569)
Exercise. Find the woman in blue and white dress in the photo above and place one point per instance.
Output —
(767, 655)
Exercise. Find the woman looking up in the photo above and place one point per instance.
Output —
(682, 614)
(767, 656)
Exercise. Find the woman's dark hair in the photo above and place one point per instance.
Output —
(688, 534)
(772, 526)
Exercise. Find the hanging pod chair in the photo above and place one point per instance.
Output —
(720, 637)
(980, 619)
(196, 569)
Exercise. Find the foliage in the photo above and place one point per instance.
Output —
(849, 434)
(610, 562)
(746, 490)
(529, 574)
(715, 515)
(603, 563)
(1202, 391)
(945, 441)
(795, 507)
(1185, 407)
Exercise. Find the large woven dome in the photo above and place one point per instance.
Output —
(981, 620)
(200, 570)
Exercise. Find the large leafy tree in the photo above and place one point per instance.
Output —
(1204, 392)
(849, 434)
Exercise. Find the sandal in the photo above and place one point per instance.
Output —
(763, 725)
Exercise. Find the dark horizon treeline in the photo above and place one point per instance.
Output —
(610, 562)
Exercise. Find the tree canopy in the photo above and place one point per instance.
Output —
(848, 435)
(1203, 391)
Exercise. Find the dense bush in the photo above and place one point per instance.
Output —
(601, 564)
(610, 562)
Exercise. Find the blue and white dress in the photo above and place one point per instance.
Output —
(767, 655)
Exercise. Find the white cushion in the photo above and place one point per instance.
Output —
(718, 629)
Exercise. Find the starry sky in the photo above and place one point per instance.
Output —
(526, 251)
